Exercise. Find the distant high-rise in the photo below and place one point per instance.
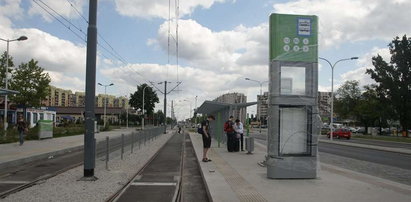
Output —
(324, 106)
(262, 107)
(233, 98)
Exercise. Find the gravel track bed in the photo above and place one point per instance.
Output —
(67, 187)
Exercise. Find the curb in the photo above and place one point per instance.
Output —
(381, 148)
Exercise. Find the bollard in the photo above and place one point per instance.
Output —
(139, 141)
(107, 151)
(132, 142)
(122, 146)
(249, 144)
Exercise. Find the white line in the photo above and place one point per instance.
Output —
(14, 182)
(153, 184)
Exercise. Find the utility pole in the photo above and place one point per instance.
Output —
(89, 141)
(165, 99)
(165, 107)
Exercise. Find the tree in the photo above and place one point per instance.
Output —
(347, 98)
(372, 109)
(32, 83)
(3, 61)
(394, 79)
(150, 98)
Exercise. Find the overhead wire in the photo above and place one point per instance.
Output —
(47, 9)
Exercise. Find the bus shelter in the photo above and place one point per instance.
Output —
(222, 112)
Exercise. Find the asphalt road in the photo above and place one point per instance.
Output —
(370, 155)
(375, 142)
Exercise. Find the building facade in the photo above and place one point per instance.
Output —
(58, 97)
(233, 98)
(262, 107)
(324, 106)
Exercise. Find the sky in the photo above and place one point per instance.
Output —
(220, 42)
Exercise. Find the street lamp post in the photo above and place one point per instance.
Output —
(105, 100)
(142, 121)
(195, 108)
(190, 107)
(21, 38)
(261, 95)
(332, 90)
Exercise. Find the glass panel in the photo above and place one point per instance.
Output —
(292, 80)
(293, 130)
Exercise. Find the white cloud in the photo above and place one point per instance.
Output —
(353, 20)
(365, 62)
(224, 51)
(9, 9)
(160, 8)
(63, 7)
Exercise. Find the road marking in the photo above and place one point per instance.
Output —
(153, 184)
(14, 182)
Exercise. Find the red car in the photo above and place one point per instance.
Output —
(340, 133)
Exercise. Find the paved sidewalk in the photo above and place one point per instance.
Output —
(237, 177)
(12, 154)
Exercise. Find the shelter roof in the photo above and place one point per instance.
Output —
(209, 107)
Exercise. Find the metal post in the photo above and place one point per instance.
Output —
(105, 105)
(132, 142)
(142, 121)
(259, 107)
(6, 96)
(127, 118)
(122, 146)
(89, 147)
(219, 128)
(165, 107)
(107, 151)
(195, 107)
(332, 103)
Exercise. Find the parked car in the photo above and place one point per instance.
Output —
(341, 133)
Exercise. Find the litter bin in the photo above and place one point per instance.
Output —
(45, 129)
(96, 127)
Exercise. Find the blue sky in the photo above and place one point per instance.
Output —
(220, 41)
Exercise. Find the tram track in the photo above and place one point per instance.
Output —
(30, 174)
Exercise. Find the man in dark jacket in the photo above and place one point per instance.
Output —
(229, 129)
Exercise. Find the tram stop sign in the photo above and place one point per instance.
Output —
(293, 38)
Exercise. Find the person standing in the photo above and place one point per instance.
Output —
(239, 129)
(206, 133)
(21, 128)
(229, 129)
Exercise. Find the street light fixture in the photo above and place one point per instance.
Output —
(21, 38)
(185, 100)
(332, 90)
(105, 100)
(261, 95)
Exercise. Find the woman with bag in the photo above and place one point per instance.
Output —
(22, 128)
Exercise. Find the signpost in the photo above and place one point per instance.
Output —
(294, 123)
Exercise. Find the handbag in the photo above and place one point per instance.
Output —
(238, 135)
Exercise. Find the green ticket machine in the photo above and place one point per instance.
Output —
(294, 122)
(45, 129)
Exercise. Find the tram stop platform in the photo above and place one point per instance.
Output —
(236, 176)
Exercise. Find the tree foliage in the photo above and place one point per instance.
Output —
(150, 99)
(347, 99)
(394, 79)
(32, 83)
